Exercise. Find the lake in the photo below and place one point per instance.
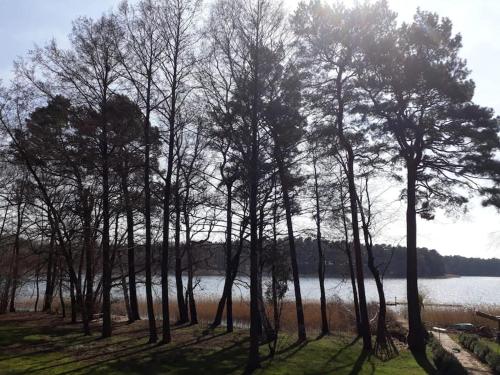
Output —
(458, 290)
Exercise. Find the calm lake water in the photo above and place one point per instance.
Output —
(459, 290)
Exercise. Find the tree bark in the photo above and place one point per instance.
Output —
(253, 354)
(89, 253)
(364, 323)
(265, 330)
(15, 265)
(301, 327)
(363, 311)
(181, 302)
(229, 258)
(165, 245)
(134, 307)
(37, 285)
(168, 193)
(350, 263)
(384, 346)
(72, 300)
(228, 282)
(153, 337)
(321, 256)
(106, 261)
(274, 282)
(61, 297)
(125, 290)
(50, 277)
(193, 315)
(416, 333)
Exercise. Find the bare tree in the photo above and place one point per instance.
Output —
(141, 57)
(178, 26)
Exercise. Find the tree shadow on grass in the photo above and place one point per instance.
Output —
(185, 360)
(424, 362)
(364, 356)
(63, 349)
(43, 367)
(342, 349)
(293, 348)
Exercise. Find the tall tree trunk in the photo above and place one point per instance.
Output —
(165, 245)
(106, 261)
(4, 301)
(363, 310)
(134, 307)
(166, 198)
(253, 354)
(83, 310)
(89, 254)
(275, 302)
(321, 256)
(123, 282)
(15, 267)
(253, 174)
(181, 302)
(364, 324)
(61, 296)
(416, 334)
(229, 257)
(73, 301)
(384, 346)
(193, 315)
(153, 337)
(347, 249)
(50, 277)
(301, 327)
(266, 329)
(274, 282)
(228, 282)
(37, 284)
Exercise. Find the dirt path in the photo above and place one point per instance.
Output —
(469, 361)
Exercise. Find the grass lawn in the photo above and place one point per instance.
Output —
(44, 344)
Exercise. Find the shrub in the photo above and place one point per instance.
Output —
(468, 341)
(493, 360)
(472, 345)
(481, 350)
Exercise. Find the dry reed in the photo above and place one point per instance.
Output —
(446, 315)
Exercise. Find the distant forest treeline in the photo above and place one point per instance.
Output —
(391, 260)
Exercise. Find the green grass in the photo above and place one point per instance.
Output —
(51, 350)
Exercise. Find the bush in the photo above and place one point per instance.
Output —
(481, 350)
(446, 363)
(468, 341)
(493, 360)
(472, 345)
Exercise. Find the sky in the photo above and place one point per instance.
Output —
(24, 23)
